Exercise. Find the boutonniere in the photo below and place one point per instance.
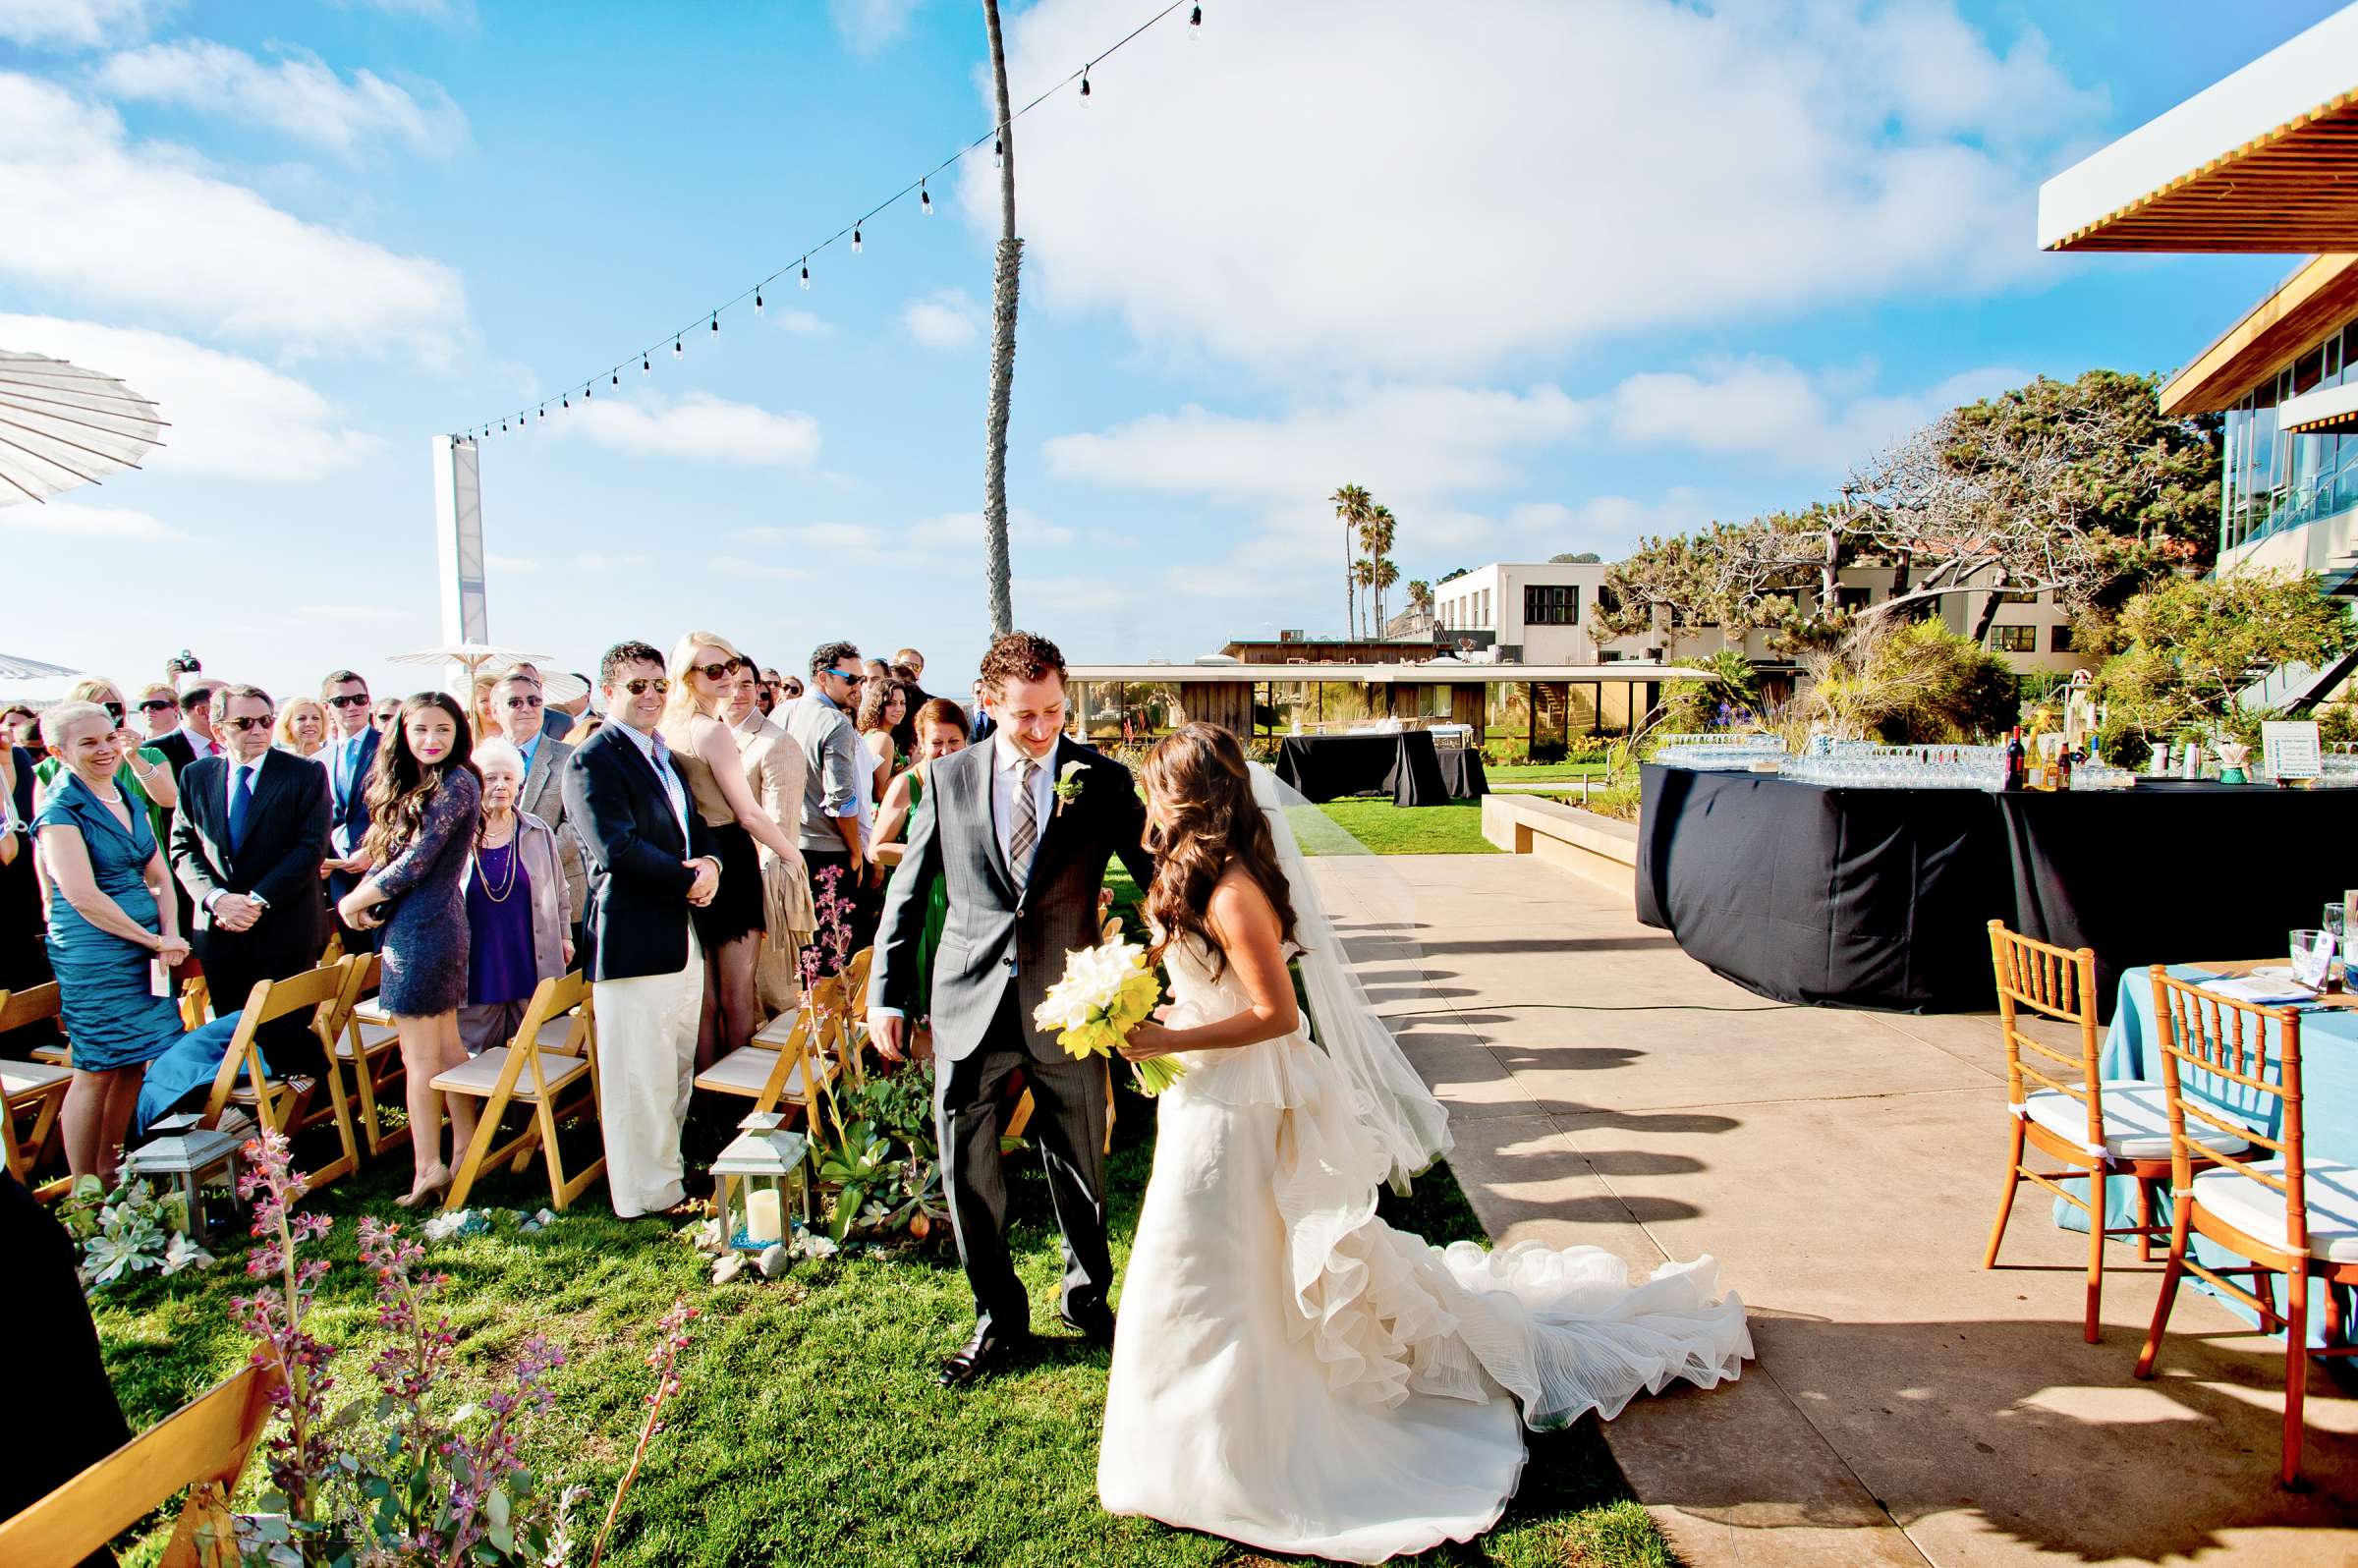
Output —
(1068, 784)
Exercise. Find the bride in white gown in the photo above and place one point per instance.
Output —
(1290, 1371)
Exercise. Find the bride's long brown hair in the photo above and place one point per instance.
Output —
(1196, 778)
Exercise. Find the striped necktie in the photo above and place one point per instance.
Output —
(1026, 835)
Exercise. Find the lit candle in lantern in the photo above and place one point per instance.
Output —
(762, 1219)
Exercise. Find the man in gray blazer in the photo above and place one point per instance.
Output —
(518, 705)
(1019, 831)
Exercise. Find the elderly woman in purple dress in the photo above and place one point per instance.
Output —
(516, 906)
(424, 807)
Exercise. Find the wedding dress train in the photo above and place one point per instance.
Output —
(1292, 1374)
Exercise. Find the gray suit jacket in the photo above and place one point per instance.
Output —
(544, 797)
(996, 933)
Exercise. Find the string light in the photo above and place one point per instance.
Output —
(925, 202)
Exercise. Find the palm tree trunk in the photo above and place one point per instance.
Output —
(1350, 582)
(1002, 348)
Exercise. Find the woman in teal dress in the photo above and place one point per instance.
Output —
(940, 730)
(111, 917)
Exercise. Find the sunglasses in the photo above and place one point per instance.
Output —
(716, 672)
(525, 700)
(158, 704)
(349, 700)
(258, 721)
(639, 687)
(846, 677)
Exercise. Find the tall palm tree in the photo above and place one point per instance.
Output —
(1002, 347)
(1352, 504)
(1376, 536)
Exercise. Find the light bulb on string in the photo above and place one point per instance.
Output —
(618, 378)
(856, 247)
(676, 351)
(1085, 86)
(925, 200)
(717, 326)
(646, 367)
(806, 272)
(564, 403)
(586, 391)
(998, 153)
(758, 301)
(1194, 22)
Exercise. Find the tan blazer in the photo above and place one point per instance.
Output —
(539, 846)
(543, 796)
(775, 768)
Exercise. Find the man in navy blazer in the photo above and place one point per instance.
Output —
(245, 847)
(651, 862)
(349, 757)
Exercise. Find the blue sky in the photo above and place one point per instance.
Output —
(1546, 276)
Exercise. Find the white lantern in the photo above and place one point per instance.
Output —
(190, 1157)
(762, 1163)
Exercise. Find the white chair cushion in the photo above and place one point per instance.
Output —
(2330, 1189)
(778, 1031)
(479, 1075)
(555, 1034)
(375, 1040)
(370, 1010)
(746, 1071)
(55, 1055)
(25, 1077)
(2136, 1121)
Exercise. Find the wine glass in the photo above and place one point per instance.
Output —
(2311, 955)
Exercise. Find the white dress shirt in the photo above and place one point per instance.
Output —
(200, 745)
(1005, 764)
(673, 790)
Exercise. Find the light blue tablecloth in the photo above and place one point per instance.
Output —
(2329, 1104)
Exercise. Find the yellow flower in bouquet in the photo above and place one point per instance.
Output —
(1103, 993)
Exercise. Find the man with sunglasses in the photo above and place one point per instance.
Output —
(349, 758)
(651, 860)
(839, 768)
(247, 845)
(519, 708)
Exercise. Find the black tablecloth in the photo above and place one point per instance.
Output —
(1882, 897)
(1408, 766)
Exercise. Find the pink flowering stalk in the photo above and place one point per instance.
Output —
(835, 937)
(665, 1360)
(300, 1454)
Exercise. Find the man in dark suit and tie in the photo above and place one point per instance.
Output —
(246, 845)
(349, 758)
(649, 861)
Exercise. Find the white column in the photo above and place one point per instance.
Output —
(459, 548)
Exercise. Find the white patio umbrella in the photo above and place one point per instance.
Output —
(472, 655)
(13, 668)
(62, 426)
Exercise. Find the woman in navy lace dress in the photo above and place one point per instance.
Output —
(424, 810)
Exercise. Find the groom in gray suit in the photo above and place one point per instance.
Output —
(1018, 828)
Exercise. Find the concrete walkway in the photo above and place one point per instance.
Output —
(1908, 1407)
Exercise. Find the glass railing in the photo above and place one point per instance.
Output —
(2322, 498)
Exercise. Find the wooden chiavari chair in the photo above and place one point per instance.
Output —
(30, 1092)
(370, 1045)
(2063, 1106)
(2291, 1216)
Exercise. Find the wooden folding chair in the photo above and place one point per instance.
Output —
(2291, 1216)
(2063, 1106)
(370, 1045)
(554, 1051)
(196, 1002)
(33, 1004)
(31, 1092)
(284, 1105)
(792, 1061)
(202, 1445)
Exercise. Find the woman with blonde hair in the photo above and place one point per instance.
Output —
(481, 718)
(730, 927)
(302, 728)
(775, 769)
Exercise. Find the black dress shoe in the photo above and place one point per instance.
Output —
(991, 1349)
(1095, 1326)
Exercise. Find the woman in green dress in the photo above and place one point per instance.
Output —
(940, 730)
(145, 774)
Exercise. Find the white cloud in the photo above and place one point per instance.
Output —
(964, 530)
(510, 563)
(297, 93)
(1824, 421)
(79, 24)
(729, 566)
(697, 425)
(800, 323)
(353, 612)
(946, 318)
(88, 522)
(868, 26)
(1567, 172)
(1400, 441)
(228, 414)
(1069, 593)
(853, 538)
(95, 216)
(448, 12)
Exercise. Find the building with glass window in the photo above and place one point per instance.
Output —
(2264, 160)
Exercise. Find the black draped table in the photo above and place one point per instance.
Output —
(1408, 766)
(1882, 897)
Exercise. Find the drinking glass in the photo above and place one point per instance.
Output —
(2311, 955)
(2336, 921)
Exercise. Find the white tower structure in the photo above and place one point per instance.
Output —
(458, 545)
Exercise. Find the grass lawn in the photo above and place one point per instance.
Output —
(809, 1430)
(1543, 772)
(1388, 829)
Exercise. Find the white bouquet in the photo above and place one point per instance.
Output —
(1103, 993)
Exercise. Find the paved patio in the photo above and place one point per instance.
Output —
(1908, 1407)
